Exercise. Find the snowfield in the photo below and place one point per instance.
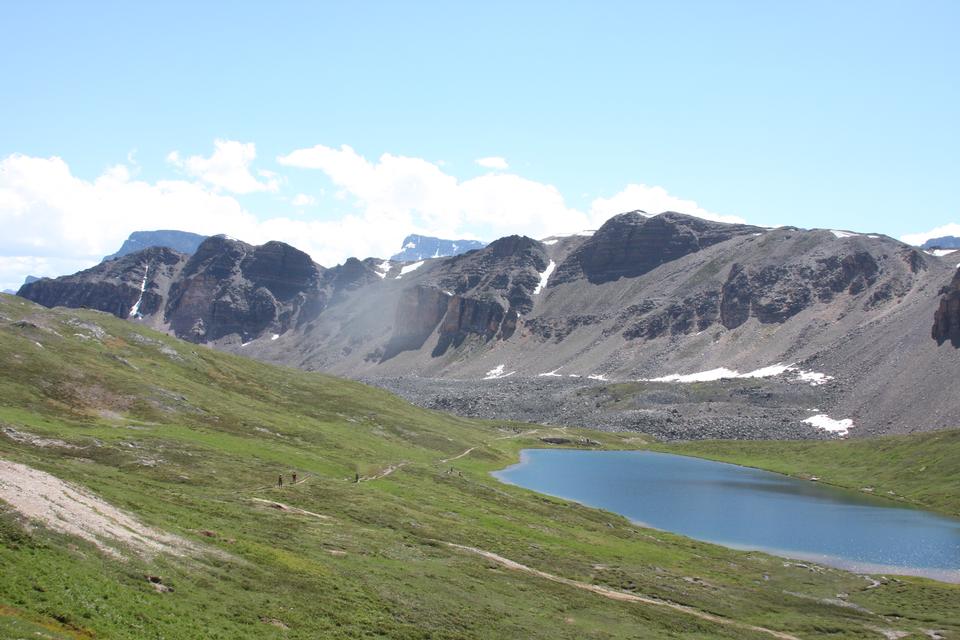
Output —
(498, 372)
(826, 423)
(813, 378)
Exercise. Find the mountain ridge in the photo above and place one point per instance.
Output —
(641, 298)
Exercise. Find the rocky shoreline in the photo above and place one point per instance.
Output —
(724, 409)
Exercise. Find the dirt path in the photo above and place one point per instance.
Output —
(72, 510)
(508, 437)
(285, 507)
(517, 435)
(384, 473)
(621, 596)
(457, 457)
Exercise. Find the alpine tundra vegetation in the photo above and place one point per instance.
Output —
(145, 506)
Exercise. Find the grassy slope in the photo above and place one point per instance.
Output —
(220, 428)
(923, 469)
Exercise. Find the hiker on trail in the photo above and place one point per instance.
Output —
(280, 481)
(294, 477)
(357, 479)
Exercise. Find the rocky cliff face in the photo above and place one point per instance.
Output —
(773, 294)
(229, 287)
(632, 244)
(490, 290)
(130, 286)
(946, 320)
(417, 316)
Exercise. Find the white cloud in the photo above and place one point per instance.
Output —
(652, 200)
(493, 162)
(58, 223)
(489, 206)
(14, 269)
(228, 168)
(303, 200)
(949, 229)
(436, 202)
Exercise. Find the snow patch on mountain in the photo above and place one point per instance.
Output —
(498, 372)
(722, 373)
(135, 309)
(545, 276)
(825, 423)
(408, 268)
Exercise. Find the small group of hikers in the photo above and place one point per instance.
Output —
(280, 480)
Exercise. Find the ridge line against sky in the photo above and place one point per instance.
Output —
(467, 120)
(66, 223)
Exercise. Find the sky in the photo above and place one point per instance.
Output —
(341, 127)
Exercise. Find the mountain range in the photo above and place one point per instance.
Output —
(417, 247)
(943, 242)
(665, 298)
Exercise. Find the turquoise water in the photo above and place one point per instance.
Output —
(748, 509)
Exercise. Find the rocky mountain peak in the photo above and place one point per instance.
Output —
(230, 287)
(284, 270)
(511, 246)
(631, 244)
(127, 286)
(353, 274)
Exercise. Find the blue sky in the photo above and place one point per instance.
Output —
(814, 114)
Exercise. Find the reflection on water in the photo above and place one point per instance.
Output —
(748, 508)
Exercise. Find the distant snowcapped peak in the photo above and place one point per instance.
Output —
(417, 247)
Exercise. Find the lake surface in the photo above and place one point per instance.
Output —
(748, 509)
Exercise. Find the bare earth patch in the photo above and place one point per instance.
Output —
(36, 441)
(68, 509)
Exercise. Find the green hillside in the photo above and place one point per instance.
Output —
(190, 442)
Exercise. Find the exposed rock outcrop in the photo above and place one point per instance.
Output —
(114, 286)
(946, 320)
(490, 290)
(631, 244)
(230, 287)
(417, 316)
(773, 294)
